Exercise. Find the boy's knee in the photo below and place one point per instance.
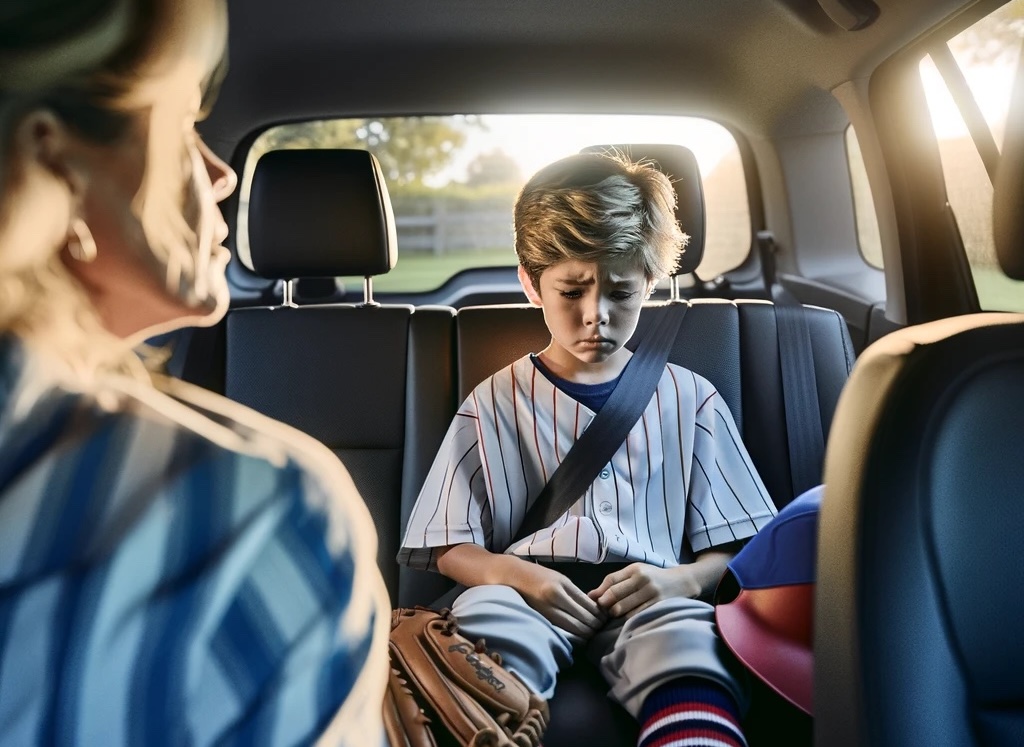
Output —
(529, 645)
(665, 642)
(675, 612)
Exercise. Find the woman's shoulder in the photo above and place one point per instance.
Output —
(162, 441)
(228, 427)
(163, 418)
(252, 453)
(40, 395)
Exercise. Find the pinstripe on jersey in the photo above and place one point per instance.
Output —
(174, 577)
(682, 471)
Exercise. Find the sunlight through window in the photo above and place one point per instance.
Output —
(453, 180)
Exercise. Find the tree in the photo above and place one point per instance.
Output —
(410, 149)
(493, 167)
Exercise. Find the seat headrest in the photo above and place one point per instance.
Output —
(680, 165)
(319, 213)
(1008, 196)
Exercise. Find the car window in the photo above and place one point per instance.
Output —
(868, 236)
(453, 181)
(984, 57)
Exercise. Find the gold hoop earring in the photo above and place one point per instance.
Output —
(81, 244)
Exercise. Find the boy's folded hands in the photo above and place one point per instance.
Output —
(639, 585)
(623, 593)
(636, 587)
(546, 590)
(556, 597)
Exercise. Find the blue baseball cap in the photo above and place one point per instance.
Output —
(765, 604)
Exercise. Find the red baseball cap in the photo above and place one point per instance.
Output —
(765, 602)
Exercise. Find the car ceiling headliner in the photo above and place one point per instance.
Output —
(755, 64)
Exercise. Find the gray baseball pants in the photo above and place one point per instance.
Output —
(670, 639)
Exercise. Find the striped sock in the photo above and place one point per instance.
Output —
(690, 712)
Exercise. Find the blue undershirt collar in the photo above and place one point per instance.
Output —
(592, 395)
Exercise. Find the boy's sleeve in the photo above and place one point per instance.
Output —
(452, 507)
(726, 499)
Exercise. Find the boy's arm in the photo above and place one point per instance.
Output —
(545, 590)
(639, 585)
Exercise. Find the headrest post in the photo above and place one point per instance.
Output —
(673, 289)
(368, 292)
(288, 294)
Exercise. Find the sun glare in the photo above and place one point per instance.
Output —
(987, 54)
(990, 85)
(535, 140)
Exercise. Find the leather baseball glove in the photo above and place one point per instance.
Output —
(445, 689)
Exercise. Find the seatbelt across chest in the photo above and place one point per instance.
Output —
(608, 430)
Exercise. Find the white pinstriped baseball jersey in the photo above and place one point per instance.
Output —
(682, 471)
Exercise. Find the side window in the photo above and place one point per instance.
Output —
(863, 205)
(968, 83)
(453, 181)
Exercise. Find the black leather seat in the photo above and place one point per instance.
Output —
(920, 561)
(335, 371)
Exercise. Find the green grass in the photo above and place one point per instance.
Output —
(424, 271)
(996, 291)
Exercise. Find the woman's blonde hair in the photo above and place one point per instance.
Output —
(91, 63)
(598, 208)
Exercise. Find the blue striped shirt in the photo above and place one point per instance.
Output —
(176, 569)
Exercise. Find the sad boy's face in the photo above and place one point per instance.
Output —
(590, 309)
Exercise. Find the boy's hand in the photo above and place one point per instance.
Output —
(549, 592)
(557, 598)
(639, 585)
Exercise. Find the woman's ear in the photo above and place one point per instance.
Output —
(531, 292)
(41, 187)
(43, 141)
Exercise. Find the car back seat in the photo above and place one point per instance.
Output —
(732, 344)
(735, 345)
(379, 384)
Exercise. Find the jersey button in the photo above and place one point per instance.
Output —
(605, 473)
(606, 507)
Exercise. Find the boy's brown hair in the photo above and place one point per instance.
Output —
(598, 208)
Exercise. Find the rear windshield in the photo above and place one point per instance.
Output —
(453, 181)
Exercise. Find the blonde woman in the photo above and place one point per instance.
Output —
(174, 569)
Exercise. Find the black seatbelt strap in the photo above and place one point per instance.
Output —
(799, 383)
(608, 430)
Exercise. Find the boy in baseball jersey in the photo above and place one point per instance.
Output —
(594, 234)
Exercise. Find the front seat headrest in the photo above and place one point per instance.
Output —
(1008, 195)
(680, 165)
(319, 213)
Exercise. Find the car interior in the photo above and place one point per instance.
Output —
(842, 324)
(927, 478)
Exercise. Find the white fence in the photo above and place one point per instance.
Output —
(442, 231)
